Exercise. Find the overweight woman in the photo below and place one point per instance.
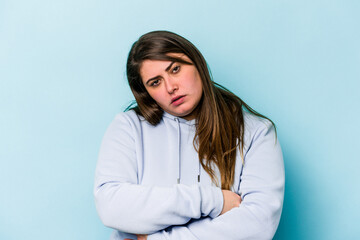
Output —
(190, 159)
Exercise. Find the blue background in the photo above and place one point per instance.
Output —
(62, 80)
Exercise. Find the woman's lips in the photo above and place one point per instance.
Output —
(177, 100)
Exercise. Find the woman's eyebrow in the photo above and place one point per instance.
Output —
(167, 69)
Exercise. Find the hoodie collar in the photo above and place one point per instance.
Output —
(181, 120)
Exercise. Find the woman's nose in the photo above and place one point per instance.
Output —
(171, 85)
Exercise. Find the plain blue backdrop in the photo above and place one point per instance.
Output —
(62, 80)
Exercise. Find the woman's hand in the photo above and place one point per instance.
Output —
(231, 200)
(139, 237)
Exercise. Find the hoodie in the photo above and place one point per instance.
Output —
(149, 180)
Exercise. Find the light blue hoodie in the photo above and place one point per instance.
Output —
(149, 181)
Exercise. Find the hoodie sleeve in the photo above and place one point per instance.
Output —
(124, 205)
(262, 191)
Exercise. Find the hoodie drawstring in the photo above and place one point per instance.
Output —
(179, 149)
(179, 153)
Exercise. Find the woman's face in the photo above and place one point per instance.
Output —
(176, 87)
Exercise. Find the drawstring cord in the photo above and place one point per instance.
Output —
(199, 172)
(179, 151)
(179, 154)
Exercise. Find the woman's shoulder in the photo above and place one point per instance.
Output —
(129, 116)
(255, 126)
(253, 121)
(258, 129)
(125, 121)
(130, 119)
(124, 124)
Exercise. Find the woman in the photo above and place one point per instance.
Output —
(191, 160)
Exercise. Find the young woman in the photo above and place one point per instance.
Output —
(191, 160)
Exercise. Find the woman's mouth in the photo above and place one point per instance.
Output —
(177, 100)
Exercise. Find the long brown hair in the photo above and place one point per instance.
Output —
(219, 116)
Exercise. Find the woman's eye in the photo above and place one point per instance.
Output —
(176, 69)
(155, 83)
